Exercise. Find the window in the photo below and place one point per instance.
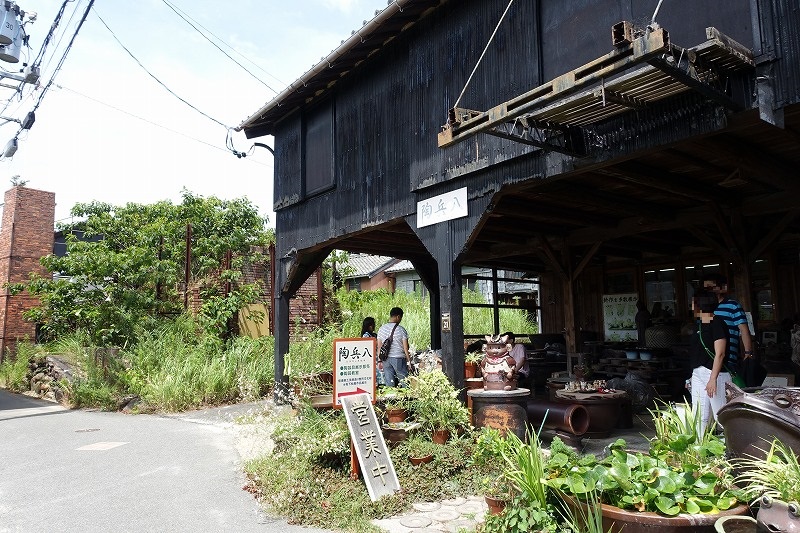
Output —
(762, 289)
(318, 150)
(659, 288)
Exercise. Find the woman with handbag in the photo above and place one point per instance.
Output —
(395, 367)
(708, 355)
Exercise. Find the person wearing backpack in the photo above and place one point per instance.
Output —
(395, 368)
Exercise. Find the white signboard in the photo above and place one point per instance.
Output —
(353, 368)
(443, 207)
(619, 313)
(373, 456)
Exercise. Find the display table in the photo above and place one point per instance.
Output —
(502, 410)
(605, 409)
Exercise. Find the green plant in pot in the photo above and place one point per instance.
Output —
(435, 403)
(471, 362)
(684, 473)
(395, 401)
(773, 484)
(420, 449)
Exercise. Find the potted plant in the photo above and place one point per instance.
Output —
(773, 484)
(471, 361)
(420, 449)
(684, 482)
(436, 405)
(395, 403)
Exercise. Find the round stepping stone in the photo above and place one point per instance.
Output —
(425, 507)
(473, 508)
(415, 521)
(461, 525)
(445, 515)
(455, 502)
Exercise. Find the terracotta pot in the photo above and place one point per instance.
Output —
(416, 461)
(735, 524)
(496, 505)
(440, 436)
(396, 415)
(470, 369)
(616, 520)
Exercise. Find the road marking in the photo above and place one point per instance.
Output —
(100, 446)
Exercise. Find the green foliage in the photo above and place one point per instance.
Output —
(125, 270)
(521, 516)
(632, 480)
(306, 477)
(777, 475)
(14, 370)
(179, 366)
(583, 517)
(435, 402)
(526, 468)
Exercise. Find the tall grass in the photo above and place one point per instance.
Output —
(176, 367)
(14, 370)
(312, 352)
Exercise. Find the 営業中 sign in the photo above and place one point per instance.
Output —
(373, 456)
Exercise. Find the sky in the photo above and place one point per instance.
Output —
(107, 130)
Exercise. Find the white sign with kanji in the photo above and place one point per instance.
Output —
(373, 456)
(443, 207)
(353, 368)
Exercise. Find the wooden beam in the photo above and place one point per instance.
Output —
(550, 257)
(773, 234)
(585, 261)
(712, 243)
(463, 124)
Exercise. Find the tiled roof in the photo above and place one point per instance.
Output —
(366, 266)
(402, 266)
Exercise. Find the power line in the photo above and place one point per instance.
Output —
(153, 75)
(148, 121)
(180, 14)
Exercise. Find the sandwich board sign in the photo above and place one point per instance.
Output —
(370, 448)
(353, 368)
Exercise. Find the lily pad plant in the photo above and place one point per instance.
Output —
(685, 471)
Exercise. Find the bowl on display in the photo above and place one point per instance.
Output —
(631, 354)
(645, 356)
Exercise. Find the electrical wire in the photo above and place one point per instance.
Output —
(60, 64)
(154, 76)
(185, 19)
(483, 53)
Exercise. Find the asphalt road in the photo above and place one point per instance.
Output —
(87, 471)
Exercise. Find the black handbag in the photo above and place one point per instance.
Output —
(383, 355)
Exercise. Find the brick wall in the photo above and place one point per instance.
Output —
(305, 308)
(26, 235)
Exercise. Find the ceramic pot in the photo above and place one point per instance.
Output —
(735, 524)
(440, 436)
(616, 520)
(396, 415)
(470, 369)
(416, 461)
(496, 505)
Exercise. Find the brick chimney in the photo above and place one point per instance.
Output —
(26, 236)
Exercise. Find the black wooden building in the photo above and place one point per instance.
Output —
(604, 146)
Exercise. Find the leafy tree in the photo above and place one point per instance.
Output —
(125, 266)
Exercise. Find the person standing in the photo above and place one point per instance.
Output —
(521, 369)
(739, 339)
(368, 332)
(708, 356)
(368, 327)
(395, 368)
